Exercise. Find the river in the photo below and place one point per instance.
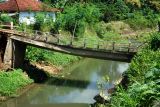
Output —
(75, 88)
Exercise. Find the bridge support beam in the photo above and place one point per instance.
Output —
(14, 53)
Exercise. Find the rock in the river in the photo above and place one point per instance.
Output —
(100, 98)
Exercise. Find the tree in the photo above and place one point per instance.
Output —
(78, 16)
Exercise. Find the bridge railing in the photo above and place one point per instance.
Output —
(78, 42)
(86, 43)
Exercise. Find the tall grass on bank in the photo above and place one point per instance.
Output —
(11, 81)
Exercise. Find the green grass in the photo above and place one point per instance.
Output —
(11, 81)
(53, 58)
(60, 59)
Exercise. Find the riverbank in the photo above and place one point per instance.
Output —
(41, 65)
(11, 82)
(142, 87)
(48, 62)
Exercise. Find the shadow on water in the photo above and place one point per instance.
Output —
(38, 75)
(68, 82)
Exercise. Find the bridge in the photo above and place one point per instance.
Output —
(108, 50)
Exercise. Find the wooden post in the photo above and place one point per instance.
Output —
(44, 35)
(11, 25)
(113, 46)
(84, 45)
(25, 29)
(46, 38)
(129, 46)
(58, 40)
(98, 45)
(71, 42)
(107, 47)
(36, 34)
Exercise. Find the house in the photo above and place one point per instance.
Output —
(26, 10)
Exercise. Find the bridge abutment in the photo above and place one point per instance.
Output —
(14, 53)
(3, 42)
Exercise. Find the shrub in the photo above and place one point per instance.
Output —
(143, 90)
(39, 21)
(100, 29)
(118, 26)
(5, 18)
(137, 95)
(138, 21)
(142, 63)
(44, 23)
(155, 41)
(116, 11)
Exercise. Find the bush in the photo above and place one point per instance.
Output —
(142, 63)
(144, 87)
(141, 20)
(137, 95)
(115, 11)
(138, 21)
(5, 18)
(152, 17)
(44, 23)
(100, 29)
(118, 27)
(155, 41)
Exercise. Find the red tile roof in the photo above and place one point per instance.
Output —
(25, 5)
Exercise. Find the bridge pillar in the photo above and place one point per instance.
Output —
(14, 53)
(8, 53)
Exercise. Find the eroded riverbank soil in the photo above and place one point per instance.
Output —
(39, 72)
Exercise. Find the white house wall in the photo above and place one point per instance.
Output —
(29, 17)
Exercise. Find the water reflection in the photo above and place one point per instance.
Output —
(74, 89)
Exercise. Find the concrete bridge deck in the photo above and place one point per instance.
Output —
(102, 50)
